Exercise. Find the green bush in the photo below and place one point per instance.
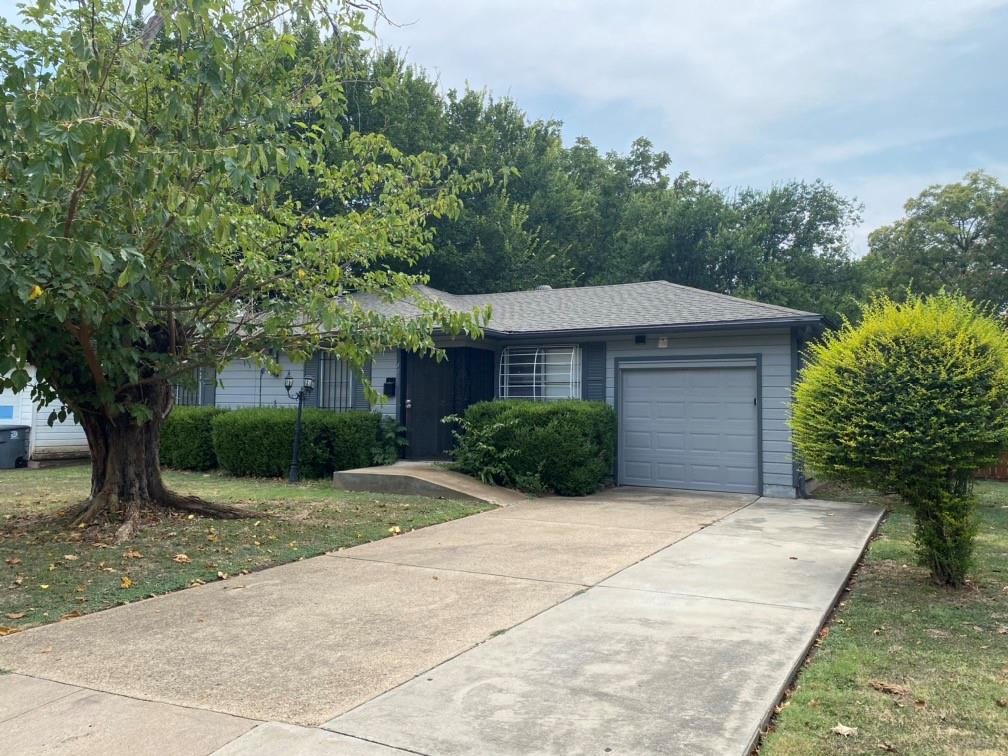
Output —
(566, 447)
(259, 441)
(187, 439)
(911, 401)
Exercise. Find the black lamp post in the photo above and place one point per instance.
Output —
(306, 389)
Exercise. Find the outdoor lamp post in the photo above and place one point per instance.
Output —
(306, 389)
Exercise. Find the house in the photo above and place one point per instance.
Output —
(701, 382)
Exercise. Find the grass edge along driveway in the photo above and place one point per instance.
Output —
(908, 667)
(52, 572)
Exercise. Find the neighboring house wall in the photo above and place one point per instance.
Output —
(774, 348)
(62, 440)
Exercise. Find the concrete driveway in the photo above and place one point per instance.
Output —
(639, 621)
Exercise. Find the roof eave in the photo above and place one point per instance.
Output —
(722, 325)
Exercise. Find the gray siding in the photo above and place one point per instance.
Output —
(774, 348)
(386, 365)
(244, 384)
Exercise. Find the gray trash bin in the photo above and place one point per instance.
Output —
(14, 446)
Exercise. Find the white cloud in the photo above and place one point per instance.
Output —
(717, 71)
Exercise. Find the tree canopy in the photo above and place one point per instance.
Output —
(953, 237)
(149, 226)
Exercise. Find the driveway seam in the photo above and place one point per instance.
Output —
(76, 689)
(376, 742)
(541, 521)
(704, 596)
(455, 569)
(86, 688)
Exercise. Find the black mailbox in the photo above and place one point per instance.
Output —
(389, 388)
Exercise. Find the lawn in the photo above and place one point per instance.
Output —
(52, 571)
(914, 668)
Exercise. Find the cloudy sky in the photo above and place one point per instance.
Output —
(878, 97)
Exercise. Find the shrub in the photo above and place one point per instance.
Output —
(187, 438)
(391, 441)
(911, 401)
(259, 441)
(567, 447)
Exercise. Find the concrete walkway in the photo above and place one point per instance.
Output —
(553, 626)
(423, 478)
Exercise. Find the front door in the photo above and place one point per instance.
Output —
(435, 389)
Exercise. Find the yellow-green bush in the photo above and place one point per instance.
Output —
(911, 401)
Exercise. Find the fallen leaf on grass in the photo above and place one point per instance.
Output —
(125, 582)
(12, 562)
(71, 557)
(15, 615)
(132, 554)
(1002, 702)
(70, 615)
(395, 530)
(844, 730)
(4, 630)
(888, 747)
(44, 586)
(223, 575)
(182, 559)
(890, 688)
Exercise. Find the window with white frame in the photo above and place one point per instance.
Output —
(544, 373)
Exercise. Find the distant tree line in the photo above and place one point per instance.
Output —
(546, 213)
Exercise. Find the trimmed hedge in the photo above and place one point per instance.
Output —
(567, 447)
(258, 442)
(187, 440)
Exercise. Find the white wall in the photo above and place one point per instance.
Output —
(62, 440)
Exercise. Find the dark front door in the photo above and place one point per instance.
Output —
(435, 389)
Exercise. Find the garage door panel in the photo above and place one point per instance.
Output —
(689, 428)
(669, 442)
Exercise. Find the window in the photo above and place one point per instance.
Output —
(542, 373)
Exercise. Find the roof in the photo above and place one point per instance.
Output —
(646, 306)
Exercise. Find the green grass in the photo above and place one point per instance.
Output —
(51, 570)
(947, 650)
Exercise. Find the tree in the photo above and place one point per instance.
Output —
(912, 401)
(953, 237)
(147, 230)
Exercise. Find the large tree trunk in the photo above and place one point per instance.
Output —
(126, 468)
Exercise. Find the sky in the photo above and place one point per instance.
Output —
(877, 98)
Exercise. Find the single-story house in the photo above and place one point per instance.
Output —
(701, 382)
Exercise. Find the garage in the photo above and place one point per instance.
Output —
(692, 426)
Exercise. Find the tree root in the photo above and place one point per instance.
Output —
(109, 506)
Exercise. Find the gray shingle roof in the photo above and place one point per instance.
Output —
(620, 307)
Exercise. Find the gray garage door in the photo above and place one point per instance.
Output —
(689, 427)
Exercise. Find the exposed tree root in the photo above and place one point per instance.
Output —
(107, 506)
